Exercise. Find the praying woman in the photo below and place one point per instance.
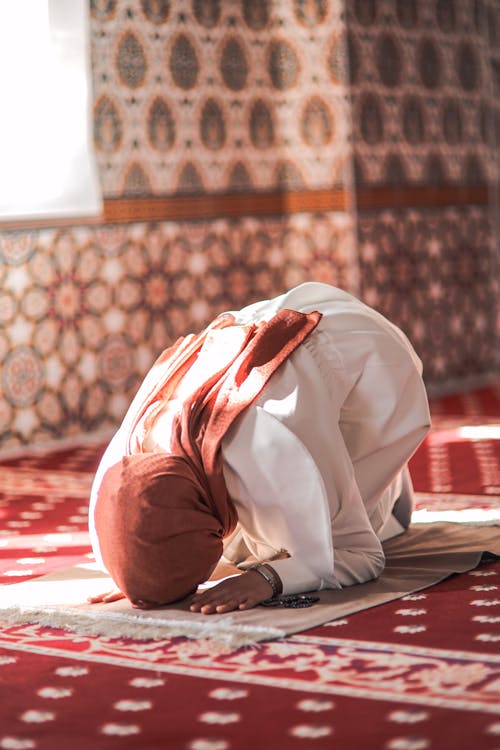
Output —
(276, 440)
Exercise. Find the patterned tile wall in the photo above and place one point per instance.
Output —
(435, 273)
(207, 96)
(425, 86)
(189, 97)
(220, 95)
(84, 312)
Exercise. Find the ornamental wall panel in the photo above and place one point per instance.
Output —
(425, 114)
(84, 312)
(220, 96)
(391, 107)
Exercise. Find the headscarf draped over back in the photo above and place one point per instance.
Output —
(160, 517)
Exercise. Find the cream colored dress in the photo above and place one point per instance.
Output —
(316, 464)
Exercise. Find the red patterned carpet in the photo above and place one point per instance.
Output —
(419, 673)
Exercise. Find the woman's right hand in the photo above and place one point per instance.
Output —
(107, 597)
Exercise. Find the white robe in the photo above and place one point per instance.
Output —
(316, 464)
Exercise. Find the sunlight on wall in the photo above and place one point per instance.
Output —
(46, 154)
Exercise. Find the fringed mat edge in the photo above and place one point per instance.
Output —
(143, 629)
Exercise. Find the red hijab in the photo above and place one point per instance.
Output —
(160, 517)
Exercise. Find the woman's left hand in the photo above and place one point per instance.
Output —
(239, 592)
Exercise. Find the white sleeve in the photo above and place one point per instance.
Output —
(113, 453)
(282, 505)
(280, 499)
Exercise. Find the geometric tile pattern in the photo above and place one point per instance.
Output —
(84, 312)
(425, 90)
(202, 98)
(195, 97)
(434, 273)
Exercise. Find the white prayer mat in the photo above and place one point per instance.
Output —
(419, 558)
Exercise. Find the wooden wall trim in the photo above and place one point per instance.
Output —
(225, 205)
(421, 196)
(176, 208)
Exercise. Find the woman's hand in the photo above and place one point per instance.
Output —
(107, 597)
(239, 592)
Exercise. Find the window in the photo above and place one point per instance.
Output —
(47, 166)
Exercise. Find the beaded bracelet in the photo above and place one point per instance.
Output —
(271, 577)
(291, 601)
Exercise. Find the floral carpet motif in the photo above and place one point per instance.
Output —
(422, 672)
